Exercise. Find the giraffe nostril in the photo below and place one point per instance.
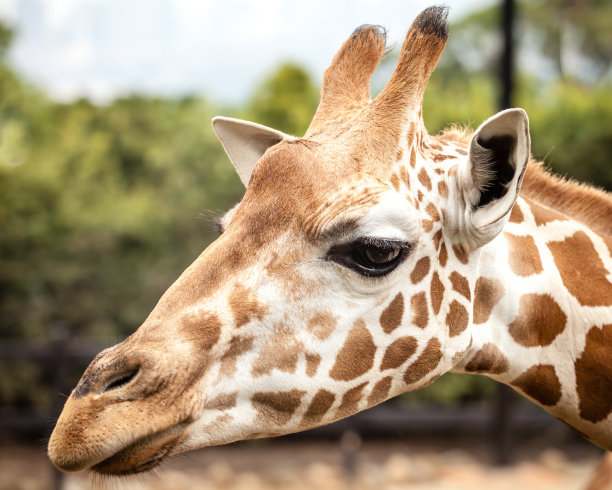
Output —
(121, 380)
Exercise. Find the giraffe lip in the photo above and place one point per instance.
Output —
(143, 454)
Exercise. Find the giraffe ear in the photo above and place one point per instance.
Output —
(491, 181)
(245, 142)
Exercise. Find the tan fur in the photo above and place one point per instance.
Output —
(345, 90)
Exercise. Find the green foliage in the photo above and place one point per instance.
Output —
(101, 209)
(565, 39)
(6, 38)
(571, 129)
(286, 100)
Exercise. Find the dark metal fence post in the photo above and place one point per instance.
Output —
(507, 61)
(350, 443)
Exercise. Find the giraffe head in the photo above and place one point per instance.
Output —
(343, 277)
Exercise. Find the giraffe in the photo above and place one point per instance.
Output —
(365, 260)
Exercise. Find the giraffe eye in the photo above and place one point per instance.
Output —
(370, 257)
(376, 255)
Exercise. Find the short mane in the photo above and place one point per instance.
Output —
(584, 203)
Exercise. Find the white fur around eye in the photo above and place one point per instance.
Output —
(390, 219)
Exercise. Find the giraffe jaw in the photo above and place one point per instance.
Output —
(143, 454)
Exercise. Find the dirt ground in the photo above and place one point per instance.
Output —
(350, 465)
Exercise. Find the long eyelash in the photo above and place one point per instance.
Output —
(383, 243)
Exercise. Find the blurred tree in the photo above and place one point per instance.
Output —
(6, 38)
(99, 206)
(286, 100)
(556, 39)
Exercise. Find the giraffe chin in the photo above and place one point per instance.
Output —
(142, 455)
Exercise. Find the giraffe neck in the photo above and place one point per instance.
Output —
(543, 317)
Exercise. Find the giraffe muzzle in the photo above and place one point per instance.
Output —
(124, 416)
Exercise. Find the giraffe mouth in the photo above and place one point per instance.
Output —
(143, 454)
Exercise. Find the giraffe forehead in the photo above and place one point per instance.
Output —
(364, 210)
(313, 191)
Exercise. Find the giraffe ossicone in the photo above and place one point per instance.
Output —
(365, 260)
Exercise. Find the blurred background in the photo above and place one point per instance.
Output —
(110, 177)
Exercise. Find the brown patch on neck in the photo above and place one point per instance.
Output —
(460, 284)
(420, 270)
(437, 238)
(380, 392)
(395, 182)
(427, 225)
(350, 401)
(594, 375)
(244, 306)
(443, 189)
(322, 324)
(424, 179)
(398, 352)
(542, 215)
(540, 383)
(582, 270)
(391, 317)
(523, 255)
(356, 356)
(405, 176)
(489, 359)
(413, 158)
(436, 291)
(319, 406)
(420, 313)
(276, 407)
(540, 320)
(443, 256)
(457, 318)
(425, 363)
(487, 293)
(432, 211)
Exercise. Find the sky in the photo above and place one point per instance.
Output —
(101, 49)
